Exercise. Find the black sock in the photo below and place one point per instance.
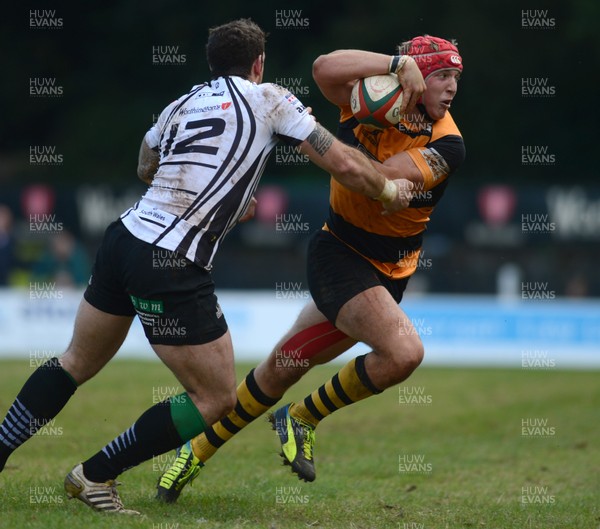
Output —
(44, 394)
(152, 434)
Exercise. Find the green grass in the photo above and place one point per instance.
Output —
(467, 433)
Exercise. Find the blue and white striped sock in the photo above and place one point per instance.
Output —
(41, 398)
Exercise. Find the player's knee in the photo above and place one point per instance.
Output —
(227, 402)
(217, 407)
(415, 355)
(78, 369)
(407, 358)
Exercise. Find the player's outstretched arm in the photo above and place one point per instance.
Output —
(336, 73)
(147, 163)
(354, 170)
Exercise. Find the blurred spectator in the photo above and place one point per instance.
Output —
(64, 262)
(7, 244)
(577, 286)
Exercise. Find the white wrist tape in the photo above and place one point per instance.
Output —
(389, 192)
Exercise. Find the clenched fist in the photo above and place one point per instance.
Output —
(398, 198)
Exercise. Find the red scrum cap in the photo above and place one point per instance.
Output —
(432, 54)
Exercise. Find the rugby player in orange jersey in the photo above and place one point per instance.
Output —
(358, 264)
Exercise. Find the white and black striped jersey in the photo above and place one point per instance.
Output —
(213, 144)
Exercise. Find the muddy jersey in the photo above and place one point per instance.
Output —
(213, 144)
(393, 242)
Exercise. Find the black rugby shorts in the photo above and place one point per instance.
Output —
(336, 274)
(173, 298)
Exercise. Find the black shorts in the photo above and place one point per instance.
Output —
(336, 274)
(173, 298)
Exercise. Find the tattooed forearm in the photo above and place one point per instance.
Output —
(320, 139)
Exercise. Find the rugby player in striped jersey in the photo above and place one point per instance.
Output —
(203, 160)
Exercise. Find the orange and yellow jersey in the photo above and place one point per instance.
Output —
(392, 243)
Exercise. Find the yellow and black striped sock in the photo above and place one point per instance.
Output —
(348, 386)
(251, 403)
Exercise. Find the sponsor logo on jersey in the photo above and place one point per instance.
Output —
(293, 100)
(208, 108)
(210, 94)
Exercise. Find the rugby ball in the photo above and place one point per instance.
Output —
(375, 101)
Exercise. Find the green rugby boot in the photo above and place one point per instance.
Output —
(184, 470)
(297, 442)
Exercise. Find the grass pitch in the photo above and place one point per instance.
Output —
(449, 449)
